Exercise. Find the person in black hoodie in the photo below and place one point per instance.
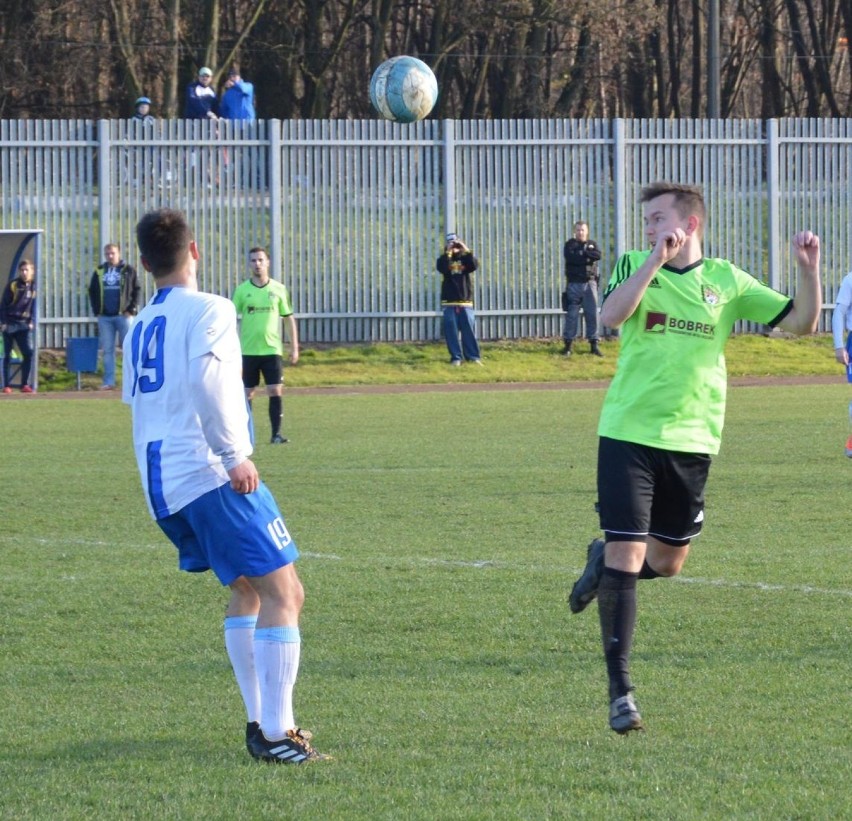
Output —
(456, 265)
(17, 307)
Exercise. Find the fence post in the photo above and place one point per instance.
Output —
(619, 178)
(449, 175)
(275, 198)
(773, 202)
(104, 187)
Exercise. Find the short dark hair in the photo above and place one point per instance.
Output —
(25, 261)
(259, 249)
(688, 199)
(163, 237)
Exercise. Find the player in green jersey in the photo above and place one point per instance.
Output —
(662, 418)
(261, 302)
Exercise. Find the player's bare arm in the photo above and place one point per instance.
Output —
(623, 301)
(293, 333)
(804, 315)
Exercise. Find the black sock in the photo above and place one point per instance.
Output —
(648, 572)
(617, 611)
(276, 413)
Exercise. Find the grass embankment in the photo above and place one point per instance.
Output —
(525, 361)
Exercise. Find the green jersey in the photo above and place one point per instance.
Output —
(670, 383)
(260, 308)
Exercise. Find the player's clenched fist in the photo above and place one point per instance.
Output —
(806, 247)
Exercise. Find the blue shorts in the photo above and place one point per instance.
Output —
(233, 534)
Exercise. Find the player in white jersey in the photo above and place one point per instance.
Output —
(191, 433)
(841, 321)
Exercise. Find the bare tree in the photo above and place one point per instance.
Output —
(493, 58)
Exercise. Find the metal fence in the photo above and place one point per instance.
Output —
(354, 212)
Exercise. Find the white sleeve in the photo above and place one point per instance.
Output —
(841, 310)
(219, 399)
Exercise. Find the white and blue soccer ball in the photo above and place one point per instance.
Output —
(403, 89)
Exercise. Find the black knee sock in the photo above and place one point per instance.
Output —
(276, 413)
(648, 572)
(617, 611)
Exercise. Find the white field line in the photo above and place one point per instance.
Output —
(484, 564)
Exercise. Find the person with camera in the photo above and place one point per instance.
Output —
(581, 290)
(456, 265)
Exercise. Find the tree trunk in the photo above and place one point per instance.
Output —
(696, 108)
(803, 62)
(771, 84)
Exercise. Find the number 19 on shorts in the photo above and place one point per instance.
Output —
(278, 533)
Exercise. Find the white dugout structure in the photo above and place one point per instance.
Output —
(354, 212)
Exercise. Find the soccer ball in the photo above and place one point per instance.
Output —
(403, 89)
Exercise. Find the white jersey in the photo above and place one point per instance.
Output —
(841, 319)
(182, 380)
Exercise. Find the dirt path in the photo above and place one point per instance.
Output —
(343, 390)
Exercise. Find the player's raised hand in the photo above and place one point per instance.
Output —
(806, 248)
(669, 245)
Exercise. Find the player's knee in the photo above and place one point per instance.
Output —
(667, 569)
(666, 559)
(244, 598)
(289, 592)
(299, 596)
(669, 564)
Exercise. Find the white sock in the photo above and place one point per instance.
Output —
(276, 653)
(239, 642)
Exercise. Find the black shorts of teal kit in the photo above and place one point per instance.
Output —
(645, 491)
(270, 366)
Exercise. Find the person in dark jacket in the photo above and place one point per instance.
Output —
(456, 265)
(114, 294)
(581, 289)
(201, 102)
(17, 318)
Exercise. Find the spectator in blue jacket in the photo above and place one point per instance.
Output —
(237, 99)
(201, 102)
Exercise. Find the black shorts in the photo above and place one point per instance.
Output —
(270, 366)
(645, 491)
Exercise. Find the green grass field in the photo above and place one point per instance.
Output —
(440, 535)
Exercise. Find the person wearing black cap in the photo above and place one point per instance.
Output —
(456, 265)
